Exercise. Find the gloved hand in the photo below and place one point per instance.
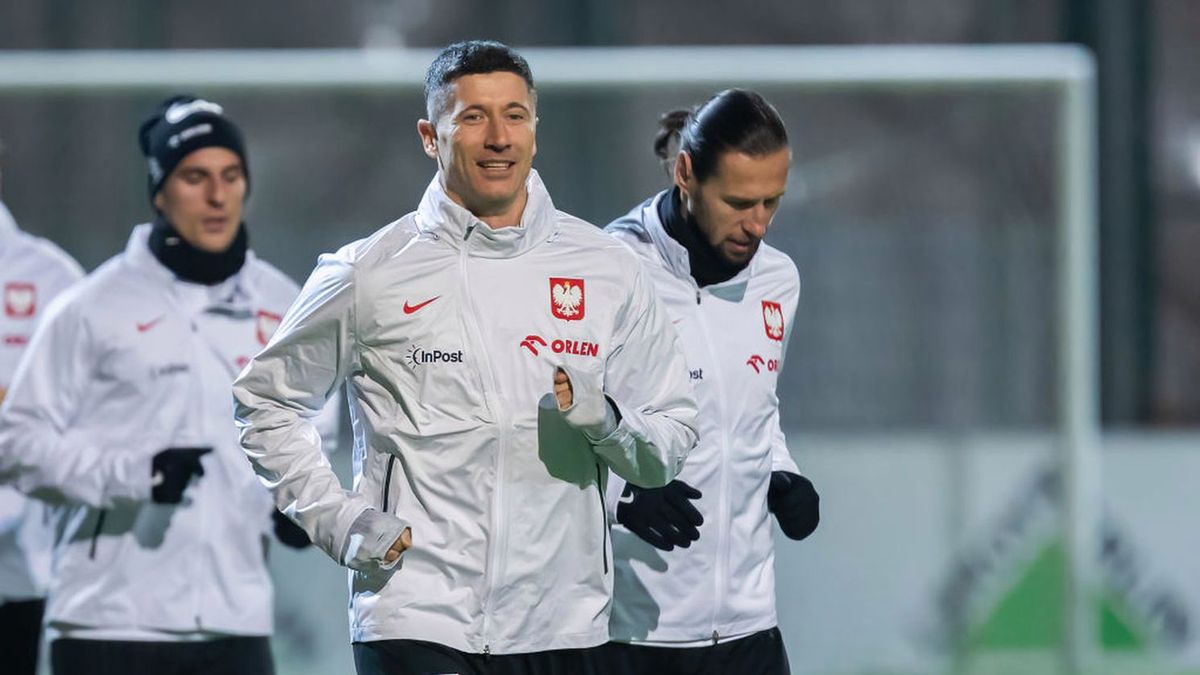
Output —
(663, 517)
(289, 533)
(583, 404)
(171, 470)
(795, 503)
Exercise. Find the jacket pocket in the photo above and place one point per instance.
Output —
(96, 534)
(387, 482)
(604, 517)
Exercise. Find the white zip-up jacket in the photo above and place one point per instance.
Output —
(735, 335)
(126, 363)
(447, 333)
(32, 272)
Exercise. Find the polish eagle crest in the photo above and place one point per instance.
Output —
(566, 298)
(773, 320)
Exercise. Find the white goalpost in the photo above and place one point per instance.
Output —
(1067, 72)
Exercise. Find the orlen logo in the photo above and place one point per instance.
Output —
(418, 356)
(758, 363)
(576, 347)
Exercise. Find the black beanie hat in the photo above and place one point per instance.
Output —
(181, 125)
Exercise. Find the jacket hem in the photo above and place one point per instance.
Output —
(455, 639)
(692, 634)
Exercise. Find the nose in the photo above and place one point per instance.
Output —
(758, 221)
(497, 139)
(217, 192)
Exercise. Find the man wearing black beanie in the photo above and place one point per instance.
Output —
(198, 180)
(120, 413)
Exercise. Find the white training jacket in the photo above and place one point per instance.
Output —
(447, 333)
(126, 363)
(735, 335)
(32, 272)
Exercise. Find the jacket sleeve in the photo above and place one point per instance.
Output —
(39, 453)
(646, 376)
(278, 399)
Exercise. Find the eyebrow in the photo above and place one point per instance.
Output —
(738, 198)
(202, 169)
(509, 106)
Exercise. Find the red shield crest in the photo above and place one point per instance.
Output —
(773, 320)
(20, 299)
(265, 325)
(567, 300)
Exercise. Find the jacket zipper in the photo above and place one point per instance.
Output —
(604, 515)
(387, 481)
(96, 533)
(201, 516)
(492, 570)
(722, 502)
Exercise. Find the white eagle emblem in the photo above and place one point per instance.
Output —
(566, 298)
(20, 300)
(773, 319)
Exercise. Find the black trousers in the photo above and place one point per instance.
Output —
(228, 656)
(21, 635)
(761, 653)
(417, 657)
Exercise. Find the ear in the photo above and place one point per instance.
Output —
(683, 171)
(158, 200)
(428, 134)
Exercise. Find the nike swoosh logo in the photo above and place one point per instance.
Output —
(409, 309)
(143, 327)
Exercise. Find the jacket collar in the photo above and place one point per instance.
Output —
(440, 217)
(673, 253)
(8, 226)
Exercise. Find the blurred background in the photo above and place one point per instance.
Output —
(921, 386)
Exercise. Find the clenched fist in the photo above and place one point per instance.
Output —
(399, 546)
(562, 389)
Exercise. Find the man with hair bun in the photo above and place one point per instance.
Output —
(694, 590)
(119, 415)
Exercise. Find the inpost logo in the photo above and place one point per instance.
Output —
(420, 356)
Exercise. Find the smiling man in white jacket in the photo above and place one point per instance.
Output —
(500, 357)
(119, 414)
(32, 272)
(695, 579)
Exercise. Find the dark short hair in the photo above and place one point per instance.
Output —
(472, 57)
(734, 120)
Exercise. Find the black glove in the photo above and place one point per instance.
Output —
(663, 517)
(289, 533)
(795, 503)
(172, 469)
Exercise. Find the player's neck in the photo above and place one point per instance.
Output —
(707, 266)
(193, 264)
